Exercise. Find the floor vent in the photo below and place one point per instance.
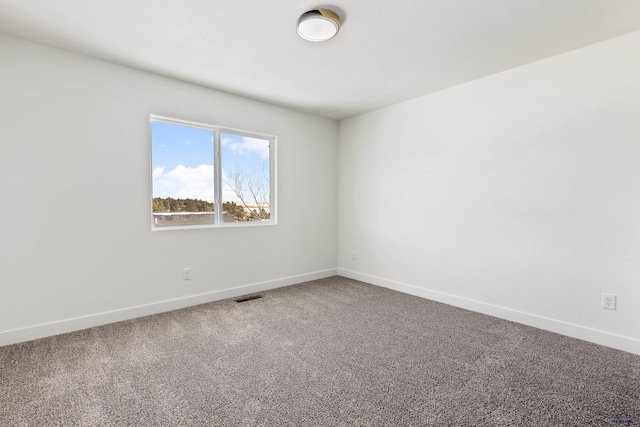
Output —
(245, 299)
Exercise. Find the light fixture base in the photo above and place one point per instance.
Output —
(318, 25)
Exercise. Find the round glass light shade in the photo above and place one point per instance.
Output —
(318, 25)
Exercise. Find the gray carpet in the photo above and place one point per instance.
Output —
(331, 352)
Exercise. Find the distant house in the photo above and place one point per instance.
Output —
(248, 207)
(178, 219)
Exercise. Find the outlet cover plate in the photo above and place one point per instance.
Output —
(609, 301)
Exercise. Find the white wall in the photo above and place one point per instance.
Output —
(517, 194)
(76, 245)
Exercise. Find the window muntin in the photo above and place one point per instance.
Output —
(197, 167)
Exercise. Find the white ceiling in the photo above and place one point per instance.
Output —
(387, 51)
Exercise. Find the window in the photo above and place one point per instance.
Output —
(209, 176)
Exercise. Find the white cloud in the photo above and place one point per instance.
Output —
(184, 182)
(245, 146)
(157, 172)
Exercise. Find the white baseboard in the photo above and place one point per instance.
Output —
(74, 324)
(608, 339)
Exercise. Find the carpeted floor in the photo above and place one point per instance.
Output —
(332, 352)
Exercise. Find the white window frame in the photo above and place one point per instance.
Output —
(217, 171)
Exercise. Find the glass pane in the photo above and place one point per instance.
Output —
(183, 180)
(246, 193)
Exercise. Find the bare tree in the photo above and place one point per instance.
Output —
(252, 191)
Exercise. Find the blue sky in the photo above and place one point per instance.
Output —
(182, 161)
(175, 145)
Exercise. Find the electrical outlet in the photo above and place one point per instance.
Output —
(609, 301)
(353, 255)
(186, 273)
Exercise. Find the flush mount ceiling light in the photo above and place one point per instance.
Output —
(318, 25)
